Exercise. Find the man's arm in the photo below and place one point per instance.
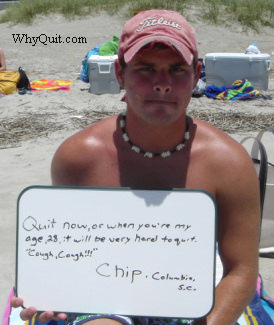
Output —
(237, 198)
(3, 66)
(64, 172)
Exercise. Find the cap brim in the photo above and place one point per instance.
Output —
(179, 46)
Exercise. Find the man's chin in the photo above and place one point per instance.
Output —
(160, 117)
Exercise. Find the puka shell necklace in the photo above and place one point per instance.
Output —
(147, 154)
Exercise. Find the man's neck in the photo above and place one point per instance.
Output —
(154, 138)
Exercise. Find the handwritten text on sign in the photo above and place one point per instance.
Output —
(132, 252)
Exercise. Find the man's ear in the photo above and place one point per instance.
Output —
(197, 73)
(119, 73)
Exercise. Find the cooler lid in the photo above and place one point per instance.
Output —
(102, 58)
(241, 56)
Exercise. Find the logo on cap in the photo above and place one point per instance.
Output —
(153, 21)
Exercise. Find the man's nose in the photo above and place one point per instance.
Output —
(162, 85)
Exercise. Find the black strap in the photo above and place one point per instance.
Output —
(262, 170)
(254, 150)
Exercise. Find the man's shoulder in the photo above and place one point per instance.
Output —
(220, 148)
(92, 137)
(84, 149)
(206, 132)
(226, 161)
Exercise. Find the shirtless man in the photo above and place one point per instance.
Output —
(157, 146)
(2, 61)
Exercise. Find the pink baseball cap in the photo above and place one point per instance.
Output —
(163, 26)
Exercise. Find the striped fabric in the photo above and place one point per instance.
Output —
(240, 90)
(53, 85)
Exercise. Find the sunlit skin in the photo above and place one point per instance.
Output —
(159, 85)
(3, 66)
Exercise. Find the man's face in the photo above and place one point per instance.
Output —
(158, 85)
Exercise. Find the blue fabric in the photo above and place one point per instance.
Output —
(240, 90)
(267, 302)
(243, 97)
(84, 76)
(257, 314)
(269, 308)
(212, 91)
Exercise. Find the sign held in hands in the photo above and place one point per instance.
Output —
(116, 251)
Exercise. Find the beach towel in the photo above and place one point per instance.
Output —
(261, 309)
(267, 302)
(53, 85)
(240, 90)
(212, 91)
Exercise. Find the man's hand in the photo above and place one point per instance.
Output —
(28, 313)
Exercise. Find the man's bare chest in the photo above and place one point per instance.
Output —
(137, 173)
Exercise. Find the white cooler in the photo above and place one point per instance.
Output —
(222, 69)
(102, 76)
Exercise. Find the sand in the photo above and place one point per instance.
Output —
(27, 162)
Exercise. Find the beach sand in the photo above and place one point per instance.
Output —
(60, 114)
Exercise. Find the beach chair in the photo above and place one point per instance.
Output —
(265, 171)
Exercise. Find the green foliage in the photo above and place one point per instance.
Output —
(250, 13)
(158, 4)
(212, 11)
(253, 13)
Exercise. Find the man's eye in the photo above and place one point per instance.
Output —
(146, 69)
(177, 69)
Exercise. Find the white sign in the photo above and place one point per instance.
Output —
(116, 251)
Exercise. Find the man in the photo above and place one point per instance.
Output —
(155, 145)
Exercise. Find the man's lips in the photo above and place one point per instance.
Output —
(160, 101)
